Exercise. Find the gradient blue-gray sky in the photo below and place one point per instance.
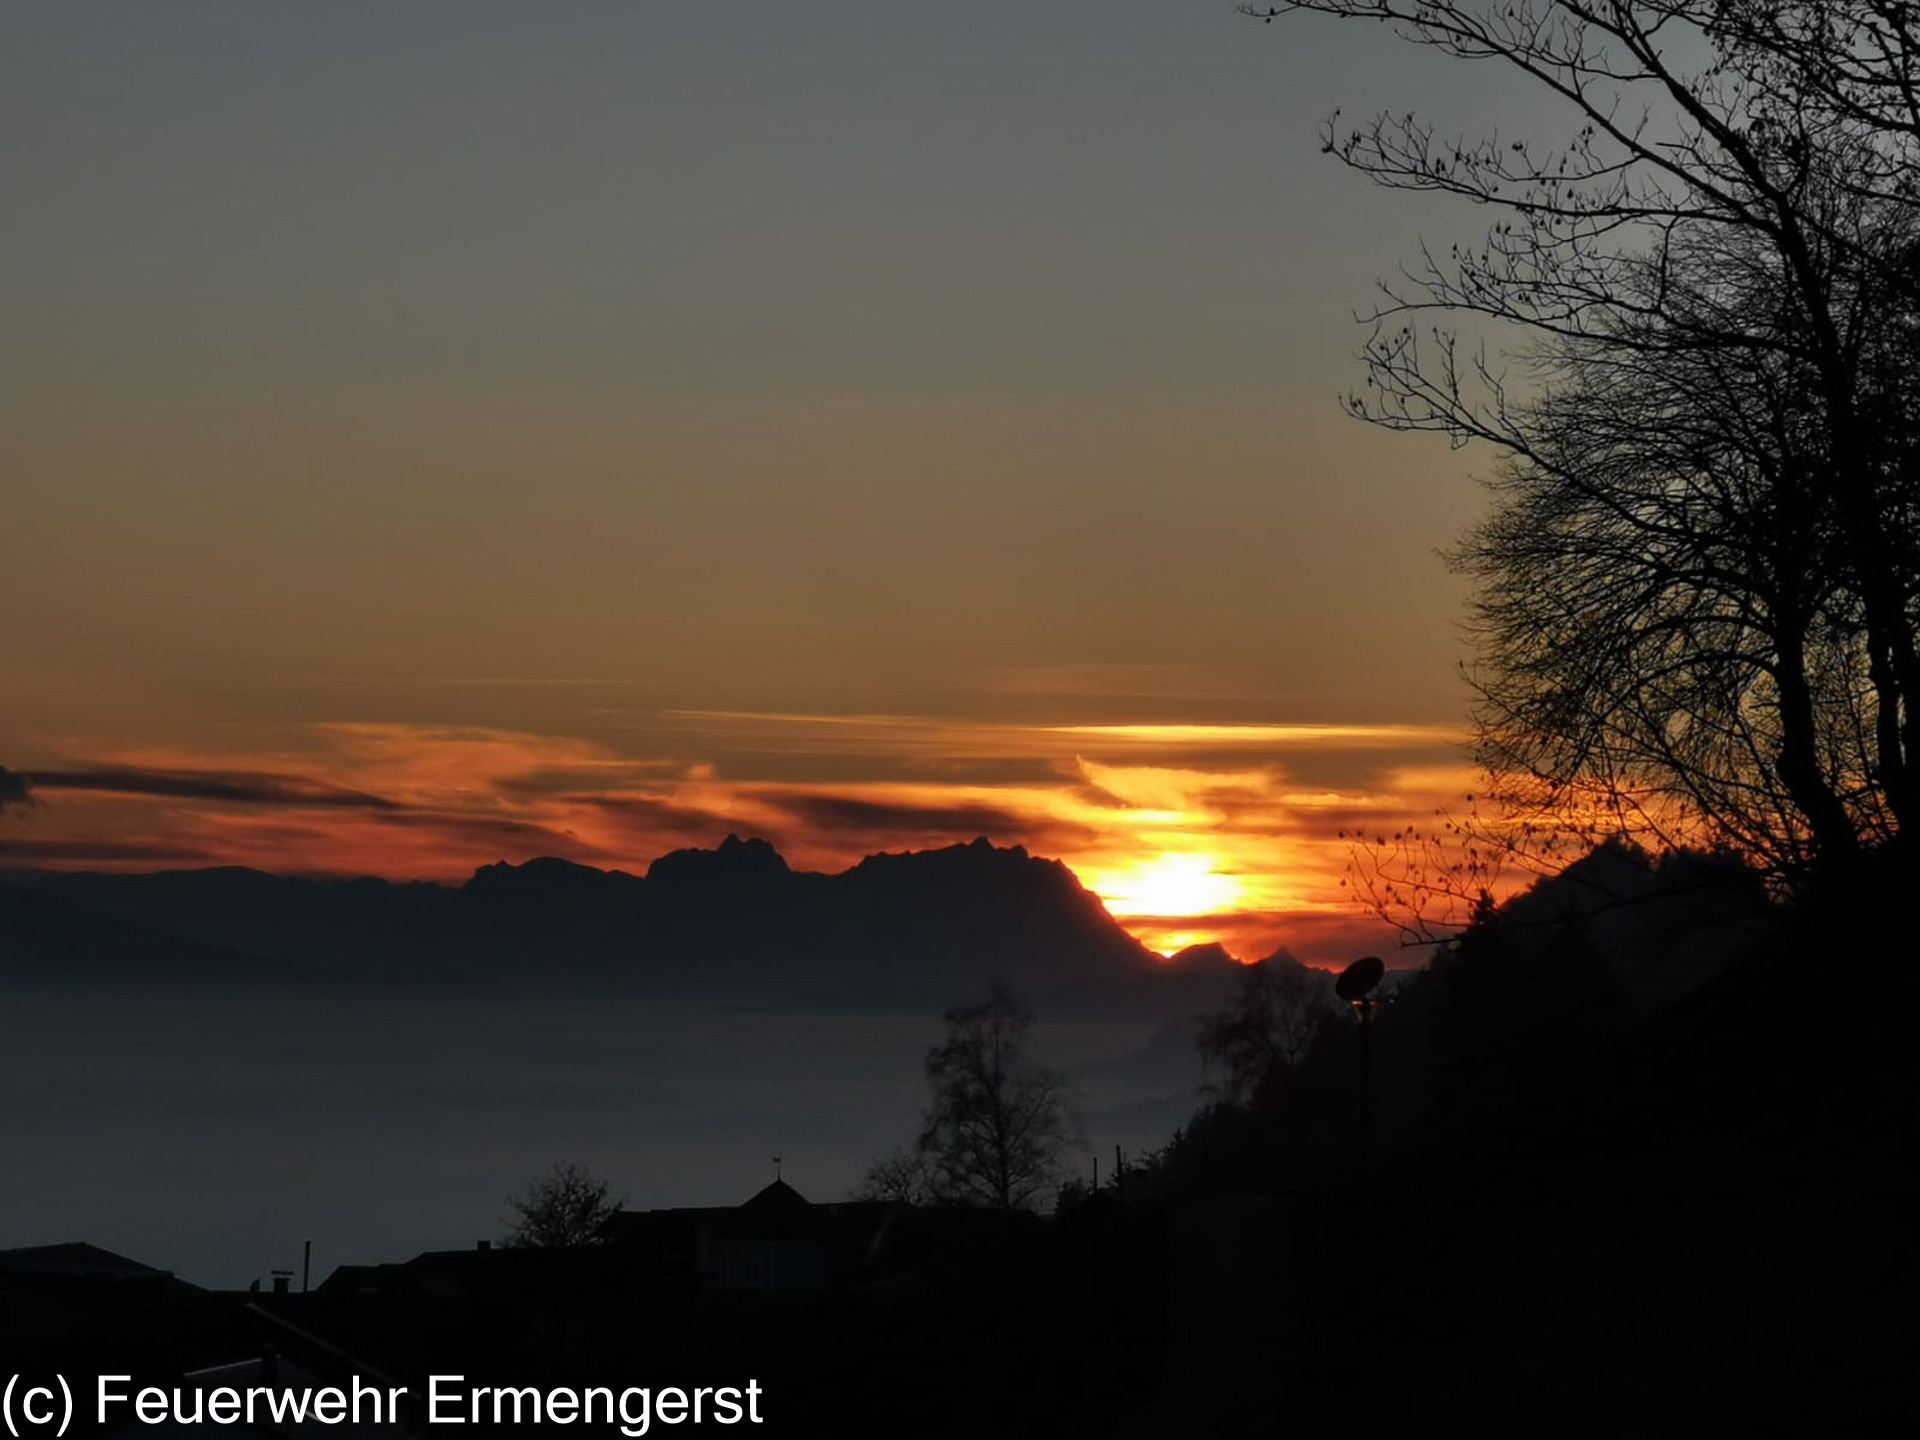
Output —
(572, 373)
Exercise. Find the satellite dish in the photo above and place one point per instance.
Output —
(1356, 982)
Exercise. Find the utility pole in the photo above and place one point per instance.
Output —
(1356, 986)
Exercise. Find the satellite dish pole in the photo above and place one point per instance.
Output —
(1356, 986)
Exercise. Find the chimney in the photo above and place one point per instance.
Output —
(483, 1244)
(282, 1281)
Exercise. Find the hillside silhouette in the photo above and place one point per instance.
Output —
(1592, 1206)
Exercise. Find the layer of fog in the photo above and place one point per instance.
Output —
(210, 1132)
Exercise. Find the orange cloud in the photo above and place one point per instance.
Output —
(1188, 832)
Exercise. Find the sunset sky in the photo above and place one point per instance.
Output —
(438, 434)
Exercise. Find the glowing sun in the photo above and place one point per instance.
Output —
(1169, 886)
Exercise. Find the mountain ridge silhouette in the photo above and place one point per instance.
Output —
(733, 923)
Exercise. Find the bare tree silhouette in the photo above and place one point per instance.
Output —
(1697, 591)
(1277, 1012)
(998, 1125)
(902, 1175)
(568, 1206)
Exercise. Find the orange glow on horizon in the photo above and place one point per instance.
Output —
(1182, 847)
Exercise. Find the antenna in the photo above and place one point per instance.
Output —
(776, 1167)
(1358, 980)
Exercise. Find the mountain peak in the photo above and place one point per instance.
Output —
(1209, 955)
(733, 860)
(545, 871)
(962, 857)
(1284, 959)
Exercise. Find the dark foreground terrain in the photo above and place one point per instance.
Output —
(1586, 1214)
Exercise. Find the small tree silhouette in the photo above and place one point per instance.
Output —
(998, 1126)
(902, 1175)
(567, 1207)
(1269, 1025)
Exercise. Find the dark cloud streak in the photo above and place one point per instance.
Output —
(233, 786)
(15, 792)
(823, 810)
(45, 851)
